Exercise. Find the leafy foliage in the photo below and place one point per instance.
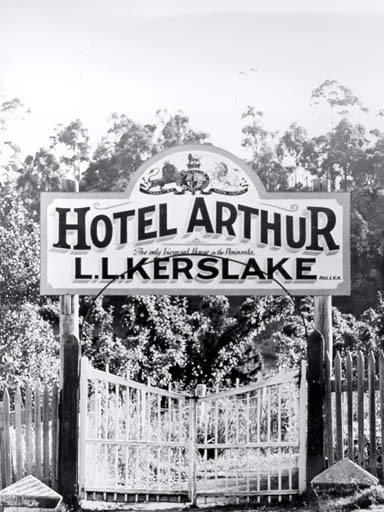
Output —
(129, 144)
(338, 97)
(349, 333)
(161, 339)
(19, 250)
(264, 157)
(28, 347)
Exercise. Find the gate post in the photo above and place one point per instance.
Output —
(315, 430)
(69, 422)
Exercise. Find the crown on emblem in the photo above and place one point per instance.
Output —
(193, 163)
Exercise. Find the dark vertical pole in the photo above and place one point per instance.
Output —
(69, 387)
(315, 431)
(69, 421)
(323, 303)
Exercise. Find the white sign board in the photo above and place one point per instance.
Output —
(195, 220)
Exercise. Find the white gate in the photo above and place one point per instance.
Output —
(251, 440)
(142, 443)
(134, 439)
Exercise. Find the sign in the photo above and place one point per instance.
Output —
(195, 220)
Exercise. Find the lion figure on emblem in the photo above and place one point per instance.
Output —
(159, 178)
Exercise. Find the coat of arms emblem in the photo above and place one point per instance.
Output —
(220, 179)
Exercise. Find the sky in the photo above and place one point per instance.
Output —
(209, 58)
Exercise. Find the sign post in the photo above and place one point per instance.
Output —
(69, 304)
(323, 303)
(69, 379)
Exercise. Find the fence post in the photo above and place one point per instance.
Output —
(315, 430)
(69, 409)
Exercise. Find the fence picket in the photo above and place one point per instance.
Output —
(360, 406)
(339, 422)
(2, 451)
(37, 432)
(18, 436)
(46, 414)
(372, 414)
(54, 438)
(349, 404)
(6, 454)
(28, 431)
(381, 390)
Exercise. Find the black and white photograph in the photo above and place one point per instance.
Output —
(191, 255)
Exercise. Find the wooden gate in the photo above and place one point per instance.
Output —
(142, 443)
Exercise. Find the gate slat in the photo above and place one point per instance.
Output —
(216, 430)
(180, 437)
(226, 428)
(127, 430)
(339, 419)
(372, 414)
(206, 420)
(96, 451)
(268, 390)
(279, 437)
(144, 430)
(137, 449)
(303, 428)
(360, 406)
(18, 435)
(106, 470)
(258, 429)
(83, 406)
(349, 404)
(116, 434)
(247, 437)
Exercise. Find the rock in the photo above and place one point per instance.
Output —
(343, 477)
(28, 493)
